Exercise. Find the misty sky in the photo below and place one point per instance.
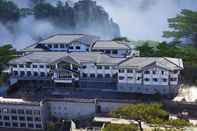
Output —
(138, 19)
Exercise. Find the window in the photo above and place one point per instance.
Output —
(29, 73)
(47, 66)
(35, 66)
(29, 119)
(35, 74)
(114, 52)
(99, 67)
(61, 45)
(139, 71)
(78, 47)
(99, 76)
(71, 47)
(28, 66)
(21, 66)
(41, 66)
(130, 78)
(146, 79)
(42, 74)
(29, 112)
(30, 125)
(21, 118)
(50, 46)
(14, 118)
(15, 66)
(7, 124)
(173, 79)
(22, 73)
(107, 76)
(138, 78)
(107, 51)
(37, 119)
(23, 125)
(121, 77)
(84, 67)
(155, 79)
(175, 71)
(162, 72)
(15, 124)
(36, 112)
(15, 73)
(85, 75)
(129, 71)
(1, 123)
(121, 70)
(6, 118)
(164, 80)
(107, 67)
(0, 117)
(92, 75)
(13, 111)
(147, 72)
(38, 126)
(154, 72)
(20, 111)
(56, 46)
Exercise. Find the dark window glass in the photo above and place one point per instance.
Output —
(42, 74)
(35, 66)
(6, 118)
(92, 75)
(107, 76)
(164, 80)
(28, 66)
(29, 119)
(13, 111)
(146, 79)
(21, 66)
(35, 73)
(175, 71)
(130, 78)
(114, 52)
(56, 46)
(78, 47)
(121, 77)
(71, 47)
(121, 70)
(15, 66)
(61, 45)
(20, 111)
(50, 46)
(85, 75)
(1, 123)
(138, 78)
(15, 124)
(41, 66)
(29, 73)
(147, 72)
(37, 119)
(99, 76)
(38, 126)
(155, 79)
(14, 117)
(30, 125)
(36, 112)
(129, 71)
(29, 112)
(22, 125)
(21, 118)
(162, 72)
(7, 124)
(15, 73)
(22, 73)
(107, 67)
(99, 67)
(107, 51)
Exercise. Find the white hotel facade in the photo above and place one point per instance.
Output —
(104, 65)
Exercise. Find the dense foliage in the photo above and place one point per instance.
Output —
(6, 53)
(120, 127)
(184, 26)
(148, 113)
(8, 11)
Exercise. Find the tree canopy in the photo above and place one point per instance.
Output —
(183, 26)
(120, 127)
(148, 113)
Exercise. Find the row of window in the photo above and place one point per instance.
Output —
(30, 66)
(29, 74)
(84, 75)
(19, 111)
(111, 52)
(145, 72)
(20, 118)
(147, 79)
(20, 125)
(62, 46)
(98, 67)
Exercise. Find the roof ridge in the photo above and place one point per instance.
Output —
(166, 58)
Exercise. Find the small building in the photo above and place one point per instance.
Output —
(18, 113)
(63, 42)
(113, 48)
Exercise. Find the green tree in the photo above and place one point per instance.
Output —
(8, 11)
(146, 50)
(120, 127)
(148, 113)
(183, 26)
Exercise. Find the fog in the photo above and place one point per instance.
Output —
(138, 20)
